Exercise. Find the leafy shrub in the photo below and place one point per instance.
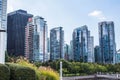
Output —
(42, 73)
(24, 62)
(48, 73)
(19, 72)
(4, 72)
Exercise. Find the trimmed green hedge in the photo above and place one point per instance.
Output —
(4, 72)
(19, 72)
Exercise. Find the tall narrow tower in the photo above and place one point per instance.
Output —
(40, 39)
(83, 45)
(36, 39)
(56, 43)
(3, 24)
(107, 42)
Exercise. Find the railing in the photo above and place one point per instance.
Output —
(103, 76)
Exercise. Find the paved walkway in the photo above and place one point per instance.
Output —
(79, 77)
(109, 76)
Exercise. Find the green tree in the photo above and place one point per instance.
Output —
(7, 57)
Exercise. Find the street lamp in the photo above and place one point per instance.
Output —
(60, 70)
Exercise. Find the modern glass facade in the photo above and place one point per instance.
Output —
(16, 23)
(3, 27)
(71, 55)
(36, 39)
(40, 39)
(56, 43)
(91, 57)
(48, 48)
(107, 42)
(82, 44)
(97, 54)
(118, 57)
(66, 52)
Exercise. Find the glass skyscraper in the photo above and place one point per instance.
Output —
(107, 42)
(56, 43)
(118, 56)
(48, 48)
(71, 55)
(40, 39)
(16, 22)
(66, 51)
(82, 45)
(36, 39)
(3, 27)
(91, 57)
(97, 54)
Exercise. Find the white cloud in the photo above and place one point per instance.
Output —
(9, 6)
(13, 5)
(98, 14)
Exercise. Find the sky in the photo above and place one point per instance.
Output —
(71, 14)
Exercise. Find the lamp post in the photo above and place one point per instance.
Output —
(60, 70)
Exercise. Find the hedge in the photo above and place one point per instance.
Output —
(42, 73)
(18, 72)
(4, 72)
